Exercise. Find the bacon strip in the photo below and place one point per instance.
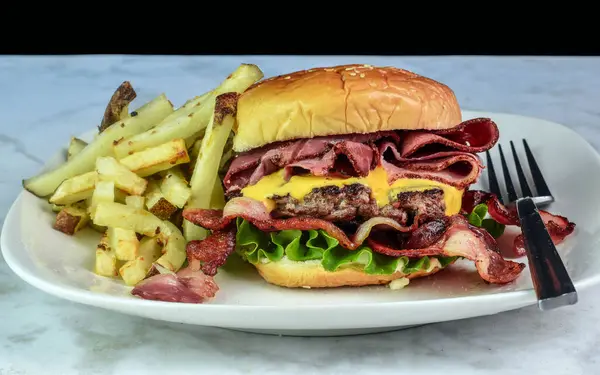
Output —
(558, 226)
(213, 251)
(256, 213)
(446, 236)
(463, 240)
(186, 286)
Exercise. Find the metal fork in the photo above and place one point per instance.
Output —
(551, 281)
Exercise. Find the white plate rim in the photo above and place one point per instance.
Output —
(9, 241)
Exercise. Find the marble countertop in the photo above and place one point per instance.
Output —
(45, 100)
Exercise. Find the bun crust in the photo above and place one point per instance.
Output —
(307, 274)
(340, 100)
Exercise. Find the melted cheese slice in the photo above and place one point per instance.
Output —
(299, 186)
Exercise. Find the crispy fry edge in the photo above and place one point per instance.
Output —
(123, 95)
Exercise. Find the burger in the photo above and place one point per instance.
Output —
(351, 175)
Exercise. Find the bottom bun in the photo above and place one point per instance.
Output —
(313, 275)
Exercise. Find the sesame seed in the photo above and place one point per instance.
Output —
(366, 65)
(362, 75)
(288, 77)
(311, 70)
(353, 73)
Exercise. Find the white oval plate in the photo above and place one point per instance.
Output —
(61, 265)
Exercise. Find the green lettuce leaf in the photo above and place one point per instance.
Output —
(478, 219)
(256, 246)
(493, 227)
(478, 214)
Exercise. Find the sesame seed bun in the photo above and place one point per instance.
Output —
(311, 274)
(341, 100)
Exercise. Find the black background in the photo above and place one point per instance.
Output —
(367, 28)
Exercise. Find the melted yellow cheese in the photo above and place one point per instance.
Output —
(299, 186)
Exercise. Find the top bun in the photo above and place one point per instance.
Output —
(340, 100)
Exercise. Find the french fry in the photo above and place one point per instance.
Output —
(75, 146)
(148, 139)
(134, 271)
(75, 189)
(189, 107)
(156, 202)
(117, 107)
(194, 151)
(119, 196)
(129, 183)
(156, 159)
(174, 187)
(106, 259)
(71, 219)
(225, 158)
(135, 201)
(104, 192)
(124, 242)
(189, 142)
(118, 215)
(217, 198)
(203, 178)
(174, 250)
(109, 169)
(148, 116)
(193, 122)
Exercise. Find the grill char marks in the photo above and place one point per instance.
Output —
(425, 205)
(354, 201)
(331, 203)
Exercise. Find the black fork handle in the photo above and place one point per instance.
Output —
(551, 280)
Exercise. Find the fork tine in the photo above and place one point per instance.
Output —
(536, 174)
(525, 190)
(493, 180)
(510, 188)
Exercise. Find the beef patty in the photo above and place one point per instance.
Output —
(354, 201)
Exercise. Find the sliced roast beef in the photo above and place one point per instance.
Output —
(444, 155)
(475, 135)
(454, 168)
(249, 167)
(186, 286)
